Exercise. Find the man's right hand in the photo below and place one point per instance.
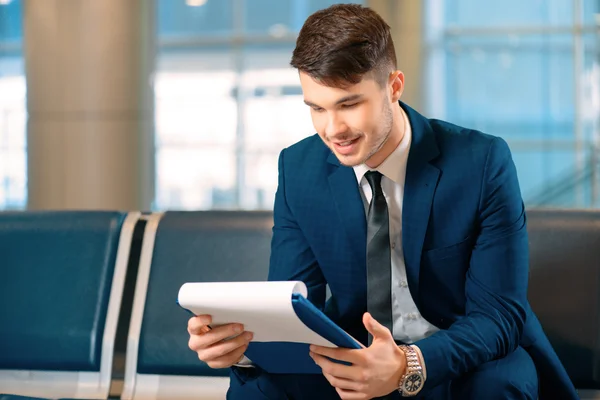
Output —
(219, 347)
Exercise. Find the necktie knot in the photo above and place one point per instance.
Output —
(374, 179)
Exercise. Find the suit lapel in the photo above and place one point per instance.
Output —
(419, 188)
(349, 205)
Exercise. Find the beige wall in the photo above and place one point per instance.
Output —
(90, 103)
(406, 20)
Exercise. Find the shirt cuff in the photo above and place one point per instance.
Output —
(245, 362)
(421, 360)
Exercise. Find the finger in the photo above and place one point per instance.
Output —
(207, 339)
(197, 325)
(342, 383)
(351, 395)
(350, 372)
(349, 355)
(377, 330)
(224, 347)
(230, 359)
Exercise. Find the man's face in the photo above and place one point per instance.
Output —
(354, 122)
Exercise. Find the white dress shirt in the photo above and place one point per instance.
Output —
(408, 324)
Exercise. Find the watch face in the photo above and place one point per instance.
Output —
(412, 383)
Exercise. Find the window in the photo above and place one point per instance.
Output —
(13, 162)
(227, 101)
(529, 74)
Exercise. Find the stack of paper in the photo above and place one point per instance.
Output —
(283, 320)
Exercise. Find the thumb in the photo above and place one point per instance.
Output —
(376, 330)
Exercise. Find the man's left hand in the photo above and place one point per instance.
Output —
(374, 371)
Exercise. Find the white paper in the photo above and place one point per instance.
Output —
(264, 308)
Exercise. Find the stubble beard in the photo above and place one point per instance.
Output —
(382, 136)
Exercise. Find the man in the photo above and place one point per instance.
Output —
(416, 225)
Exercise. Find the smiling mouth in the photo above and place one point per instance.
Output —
(346, 143)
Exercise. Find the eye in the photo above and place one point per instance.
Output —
(349, 105)
(317, 109)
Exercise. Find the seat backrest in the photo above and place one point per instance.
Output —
(56, 283)
(206, 246)
(564, 287)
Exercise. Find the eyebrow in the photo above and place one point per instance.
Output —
(340, 101)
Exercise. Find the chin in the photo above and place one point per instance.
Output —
(350, 160)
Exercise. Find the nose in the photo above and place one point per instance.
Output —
(335, 126)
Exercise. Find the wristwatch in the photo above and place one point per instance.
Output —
(413, 380)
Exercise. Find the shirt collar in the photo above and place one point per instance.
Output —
(394, 166)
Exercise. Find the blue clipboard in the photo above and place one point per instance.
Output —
(294, 358)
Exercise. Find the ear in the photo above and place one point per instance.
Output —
(396, 85)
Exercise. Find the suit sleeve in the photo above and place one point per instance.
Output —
(291, 255)
(496, 282)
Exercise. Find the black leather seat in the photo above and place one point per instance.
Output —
(61, 277)
(188, 247)
(564, 287)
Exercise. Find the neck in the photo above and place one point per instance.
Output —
(393, 140)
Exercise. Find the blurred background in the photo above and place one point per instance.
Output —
(186, 104)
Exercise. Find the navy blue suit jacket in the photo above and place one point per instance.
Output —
(464, 239)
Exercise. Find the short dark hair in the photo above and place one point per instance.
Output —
(339, 45)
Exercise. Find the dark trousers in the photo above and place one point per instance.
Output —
(512, 377)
